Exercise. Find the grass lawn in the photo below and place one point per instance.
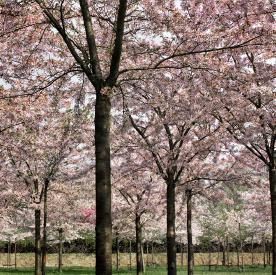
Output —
(199, 270)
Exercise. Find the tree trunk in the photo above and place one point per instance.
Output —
(228, 254)
(9, 254)
(272, 181)
(139, 256)
(171, 248)
(44, 241)
(223, 254)
(210, 260)
(117, 252)
(37, 243)
(130, 258)
(103, 185)
(182, 254)
(268, 253)
(189, 232)
(241, 246)
(152, 254)
(147, 248)
(238, 257)
(252, 250)
(60, 237)
(15, 254)
(264, 252)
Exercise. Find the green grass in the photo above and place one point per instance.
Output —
(199, 270)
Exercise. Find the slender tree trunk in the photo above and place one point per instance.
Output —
(252, 250)
(147, 249)
(9, 254)
(60, 237)
(182, 255)
(103, 185)
(130, 258)
(152, 254)
(264, 253)
(241, 247)
(218, 254)
(15, 253)
(210, 260)
(117, 252)
(143, 258)
(45, 214)
(268, 253)
(171, 248)
(223, 254)
(272, 181)
(139, 255)
(238, 257)
(189, 232)
(228, 254)
(37, 243)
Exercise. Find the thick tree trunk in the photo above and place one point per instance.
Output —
(171, 248)
(103, 185)
(60, 237)
(44, 240)
(272, 181)
(37, 243)
(189, 232)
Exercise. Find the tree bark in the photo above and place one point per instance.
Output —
(252, 250)
(171, 248)
(117, 252)
(241, 247)
(103, 185)
(182, 254)
(223, 254)
(152, 254)
(228, 256)
(147, 249)
(130, 258)
(139, 255)
(238, 257)
(60, 237)
(15, 254)
(272, 181)
(264, 253)
(209, 259)
(44, 240)
(9, 254)
(37, 243)
(189, 232)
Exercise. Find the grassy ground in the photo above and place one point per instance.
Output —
(88, 260)
(199, 270)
